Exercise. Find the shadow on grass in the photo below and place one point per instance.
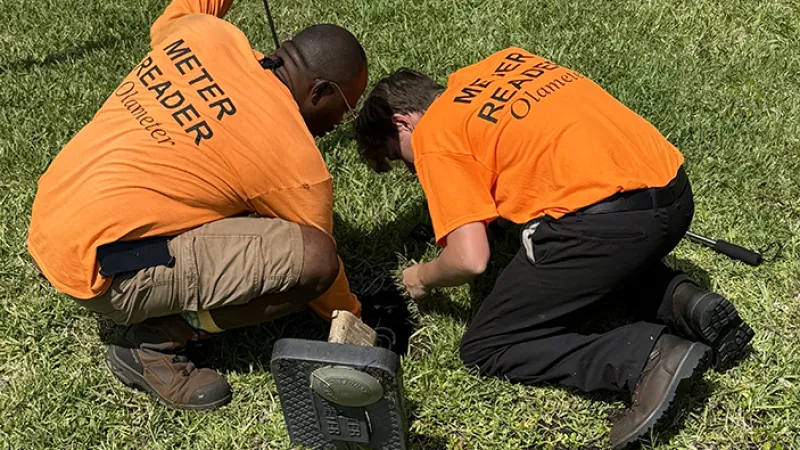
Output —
(692, 270)
(245, 349)
(371, 256)
(250, 349)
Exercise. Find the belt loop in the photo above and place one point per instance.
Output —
(654, 198)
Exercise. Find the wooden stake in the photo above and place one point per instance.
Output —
(346, 328)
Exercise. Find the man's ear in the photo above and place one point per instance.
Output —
(320, 89)
(402, 122)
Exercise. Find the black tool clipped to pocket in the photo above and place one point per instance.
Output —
(131, 256)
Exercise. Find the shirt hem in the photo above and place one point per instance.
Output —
(79, 295)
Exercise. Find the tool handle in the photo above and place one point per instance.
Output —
(708, 242)
(742, 254)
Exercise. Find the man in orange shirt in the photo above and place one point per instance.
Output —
(146, 216)
(602, 197)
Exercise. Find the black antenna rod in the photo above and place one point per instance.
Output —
(271, 25)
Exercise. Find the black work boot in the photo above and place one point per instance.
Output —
(151, 356)
(674, 365)
(710, 318)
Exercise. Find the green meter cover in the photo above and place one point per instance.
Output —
(346, 386)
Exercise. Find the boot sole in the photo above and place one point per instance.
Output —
(719, 325)
(128, 376)
(690, 370)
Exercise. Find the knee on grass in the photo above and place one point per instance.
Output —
(472, 355)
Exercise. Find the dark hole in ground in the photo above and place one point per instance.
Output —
(387, 313)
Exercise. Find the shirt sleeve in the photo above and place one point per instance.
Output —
(458, 189)
(311, 205)
(181, 8)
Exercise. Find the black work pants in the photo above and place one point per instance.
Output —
(528, 330)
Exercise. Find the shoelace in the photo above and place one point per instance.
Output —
(189, 366)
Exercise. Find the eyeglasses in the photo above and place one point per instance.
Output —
(351, 113)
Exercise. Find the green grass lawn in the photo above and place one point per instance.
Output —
(719, 79)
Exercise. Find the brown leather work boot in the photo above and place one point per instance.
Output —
(674, 365)
(711, 319)
(150, 356)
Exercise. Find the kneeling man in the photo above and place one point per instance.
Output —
(602, 197)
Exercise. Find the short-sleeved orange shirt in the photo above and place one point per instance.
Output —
(197, 132)
(517, 136)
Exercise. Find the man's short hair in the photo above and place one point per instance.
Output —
(331, 52)
(403, 92)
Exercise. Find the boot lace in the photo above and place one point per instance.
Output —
(188, 368)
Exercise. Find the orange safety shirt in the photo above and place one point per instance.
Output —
(518, 136)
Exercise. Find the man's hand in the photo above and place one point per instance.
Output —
(413, 282)
(465, 257)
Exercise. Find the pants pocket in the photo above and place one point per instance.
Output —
(535, 237)
(619, 227)
(613, 235)
(223, 271)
